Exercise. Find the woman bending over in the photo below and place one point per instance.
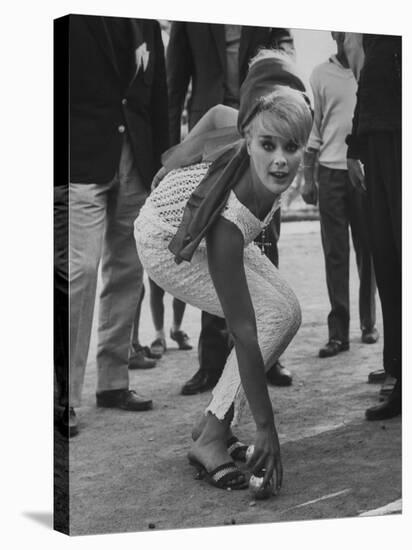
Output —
(195, 237)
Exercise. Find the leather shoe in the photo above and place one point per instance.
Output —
(370, 336)
(387, 386)
(390, 408)
(377, 376)
(67, 423)
(138, 359)
(277, 375)
(333, 347)
(181, 338)
(201, 381)
(127, 400)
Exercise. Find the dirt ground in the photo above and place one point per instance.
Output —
(129, 472)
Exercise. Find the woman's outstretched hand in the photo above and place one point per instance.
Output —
(266, 456)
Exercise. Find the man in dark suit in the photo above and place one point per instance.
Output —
(118, 130)
(375, 166)
(214, 58)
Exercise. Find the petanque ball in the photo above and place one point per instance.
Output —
(255, 486)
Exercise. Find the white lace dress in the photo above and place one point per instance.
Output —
(276, 307)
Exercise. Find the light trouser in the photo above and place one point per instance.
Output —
(101, 220)
(276, 308)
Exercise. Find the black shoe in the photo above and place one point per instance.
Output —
(181, 338)
(279, 376)
(146, 351)
(370, 336)
(127, 400)
(388, 386)
(67, 423)
(138, 359)
(333, 347)
(390, 408)
(201, 381)
(377, 376)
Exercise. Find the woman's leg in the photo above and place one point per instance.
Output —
(176, 333)
(157, 308)
(158, 346)
(178, 312)
(210, 447)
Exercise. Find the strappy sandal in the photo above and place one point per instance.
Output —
(237, 449)
(226, 476)
(158, 347)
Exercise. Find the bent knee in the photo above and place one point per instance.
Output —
(295, 312)
(288, 313)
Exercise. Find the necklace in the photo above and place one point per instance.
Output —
(262, 239)
(262, 242)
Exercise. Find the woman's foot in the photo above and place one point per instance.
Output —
(158, 347)
(213, 463)
(198, 427)
(211, 454)
(236, 449)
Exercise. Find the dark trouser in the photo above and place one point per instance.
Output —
(383, 166)
(341, 206)
(214, 342)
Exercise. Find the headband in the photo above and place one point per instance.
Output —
(264, 76)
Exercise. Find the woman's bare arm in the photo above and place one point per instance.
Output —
(225, 256)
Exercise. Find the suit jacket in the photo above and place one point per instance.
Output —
(103, 107)
(197, 51)
(379, 96)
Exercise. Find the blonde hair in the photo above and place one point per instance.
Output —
(286, 113)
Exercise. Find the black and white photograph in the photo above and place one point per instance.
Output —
(225, 277)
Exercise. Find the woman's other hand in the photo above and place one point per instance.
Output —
(266, 456)
(356, 174)
(160, 174)
(309, 192)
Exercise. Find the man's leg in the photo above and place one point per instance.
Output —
(333, 211)
(139, 357)
(213, 350)
(65, 417)
(122, 280)
(361, 243)
(87, 215)
(383, 173)
(383, 182)
(61, 293)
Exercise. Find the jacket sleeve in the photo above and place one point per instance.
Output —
(352, 140)
(179, 71)
(159, 101)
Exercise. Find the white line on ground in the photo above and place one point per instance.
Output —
(324, 497)
(391, 508)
